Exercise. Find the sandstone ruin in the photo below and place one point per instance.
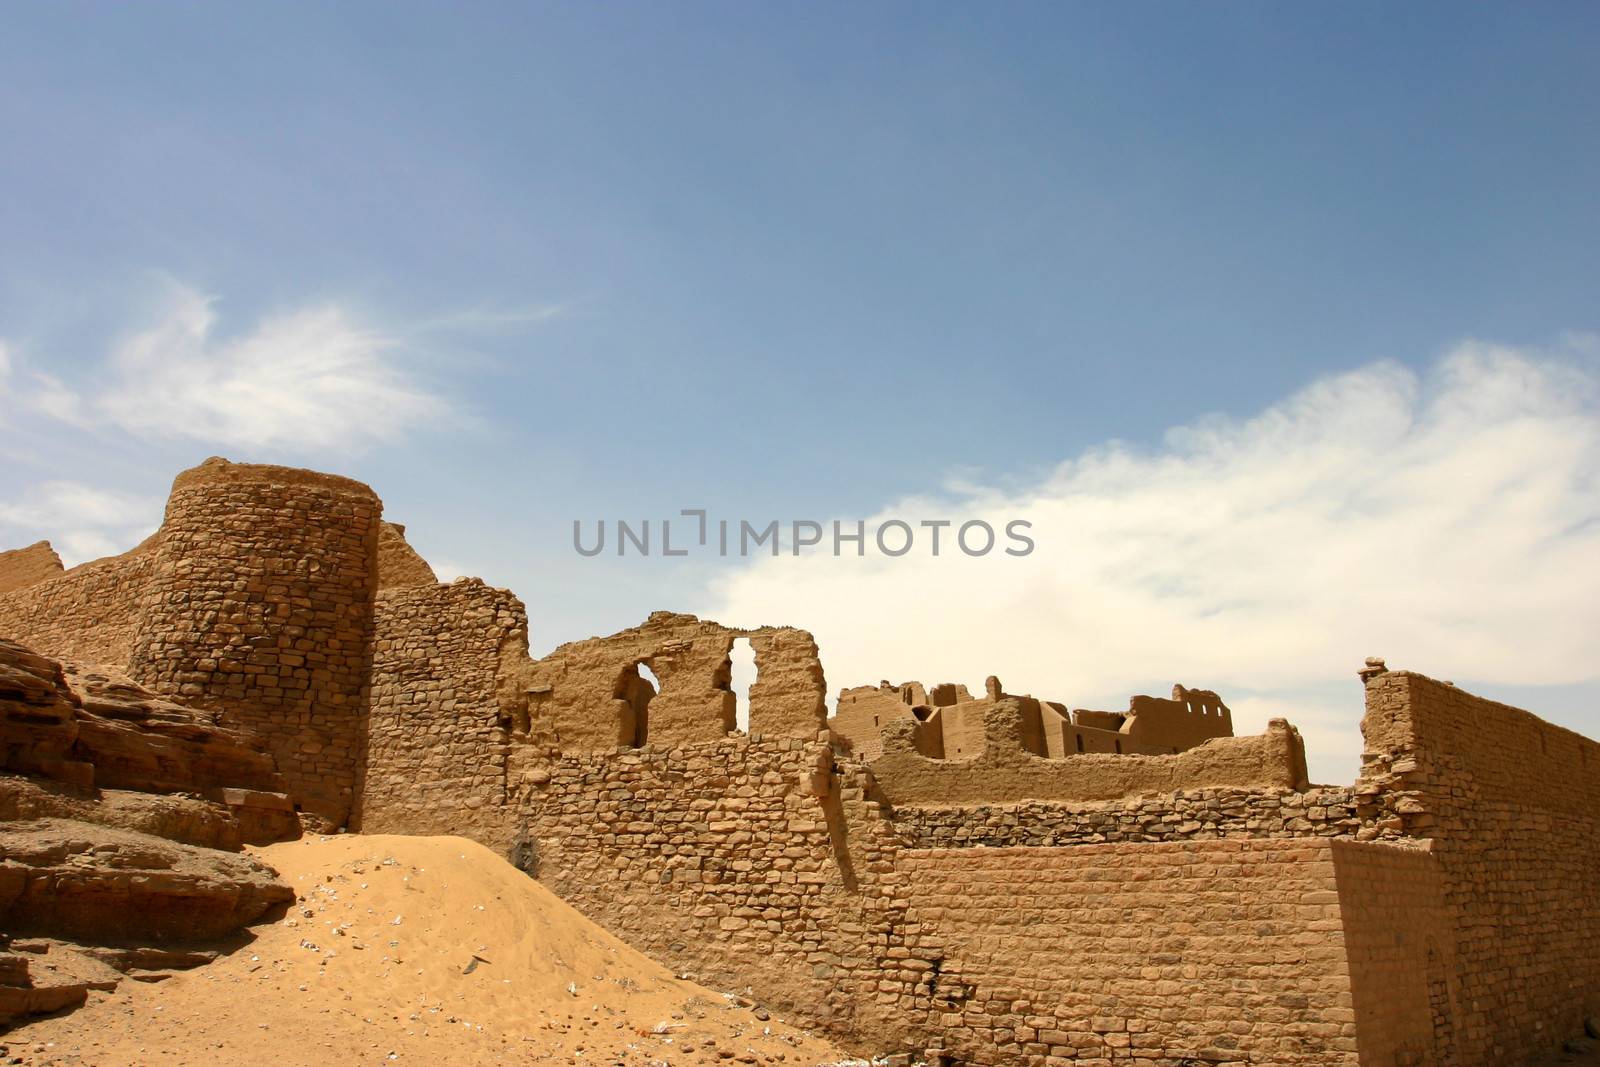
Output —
(995, 880)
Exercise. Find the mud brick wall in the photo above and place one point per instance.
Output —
(1512, 805)
(1005, 771)
(259, 605)
(719, 860)
(89, 614)
(579, 688)
(1214, 952)
(442, 666)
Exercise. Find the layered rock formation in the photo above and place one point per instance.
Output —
(121, 814)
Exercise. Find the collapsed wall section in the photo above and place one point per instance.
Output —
(258, 604)
(444, 688)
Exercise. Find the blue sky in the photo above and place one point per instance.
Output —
(782, 261)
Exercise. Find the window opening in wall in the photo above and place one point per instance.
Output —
(1080, 742)
(743, 658)
(1119, 744)
(636, 688)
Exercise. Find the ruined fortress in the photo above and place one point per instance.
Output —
(996, 879)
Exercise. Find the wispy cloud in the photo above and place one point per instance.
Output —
(82, 522)
(1450, 521)
(307, 380)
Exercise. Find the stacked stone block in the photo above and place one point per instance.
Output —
(1215, 952)
(89, 614)
(259, 605)
(721, 860)
(441, 725)
(1511, 807)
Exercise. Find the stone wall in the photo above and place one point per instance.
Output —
(440, 722)
(721, 859)
(1200, 952)
(1512, 807)
(89, 614)
(398, 563)
(949, 722)
(259, 605)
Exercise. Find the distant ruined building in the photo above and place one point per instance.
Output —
(996, 879)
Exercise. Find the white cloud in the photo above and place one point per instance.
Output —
(448, 570)
(1450, 522)
(80, 521)
(50, 396)
(309, 380)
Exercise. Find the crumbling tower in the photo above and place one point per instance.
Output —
(260, 606)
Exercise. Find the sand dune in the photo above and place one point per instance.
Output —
(422, 950)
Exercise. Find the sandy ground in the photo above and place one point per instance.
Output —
(420, 950)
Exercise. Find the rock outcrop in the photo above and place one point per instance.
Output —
(101, 885)
(121, 819)
(88, 729)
